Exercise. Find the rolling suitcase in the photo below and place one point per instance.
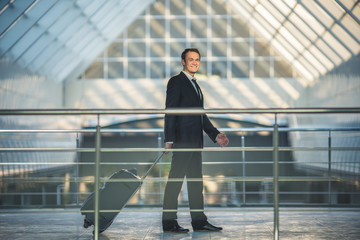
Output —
(113, 196)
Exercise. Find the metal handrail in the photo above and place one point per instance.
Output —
(147, 163)
(160, 130)
(275, 148)
(176, 111)
(205, 149)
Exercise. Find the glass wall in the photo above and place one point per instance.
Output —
(151, 46)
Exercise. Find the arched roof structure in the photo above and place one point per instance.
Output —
(57, 38)
(60, 39)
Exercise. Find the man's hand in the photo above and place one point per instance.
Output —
(168, 146)
(222, 140)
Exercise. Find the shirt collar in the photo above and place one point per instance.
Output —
(189, 76)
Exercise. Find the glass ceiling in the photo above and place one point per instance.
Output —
(314, 36)
(150, 47)
(60, 39)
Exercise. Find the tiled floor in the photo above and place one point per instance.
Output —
(136, 223)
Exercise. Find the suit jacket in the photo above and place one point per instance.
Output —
(186, 131)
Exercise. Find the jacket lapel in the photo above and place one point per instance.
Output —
(191, 88)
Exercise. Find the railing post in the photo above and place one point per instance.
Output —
(77, 158)
(276, 178)
(97, 179)
(243, 169)
(329, 168)
(160, 167)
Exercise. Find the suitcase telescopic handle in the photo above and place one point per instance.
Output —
(152, 166)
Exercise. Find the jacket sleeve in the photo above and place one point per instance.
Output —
(172, 101)
(210, 130)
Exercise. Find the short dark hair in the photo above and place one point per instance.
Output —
(183, 55)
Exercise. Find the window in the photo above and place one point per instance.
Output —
(136, 70)
(95, 70)
(240, 69)
(151, 46)
(115, 70)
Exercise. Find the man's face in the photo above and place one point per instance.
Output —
(191, 63)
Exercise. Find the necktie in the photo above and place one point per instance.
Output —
(197, 87)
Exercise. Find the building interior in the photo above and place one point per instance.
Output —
(118, 55)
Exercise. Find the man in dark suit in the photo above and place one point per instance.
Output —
(186, 131)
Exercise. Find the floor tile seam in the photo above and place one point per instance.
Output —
(327, 229)
(321, 222)
(269, 227)
(147, 232)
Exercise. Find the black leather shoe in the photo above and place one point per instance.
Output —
(207, 228)
(173, 227)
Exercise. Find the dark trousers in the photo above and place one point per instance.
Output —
(189, 165)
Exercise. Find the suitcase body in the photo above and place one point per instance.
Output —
(112, 196)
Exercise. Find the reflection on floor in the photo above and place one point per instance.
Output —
(136, 223)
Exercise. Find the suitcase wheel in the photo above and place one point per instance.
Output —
(87, 223)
